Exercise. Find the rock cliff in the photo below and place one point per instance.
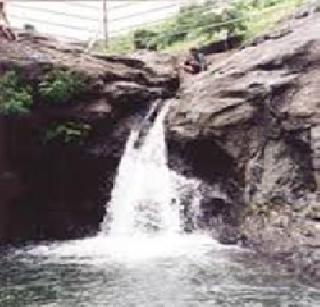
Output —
(58, 190)
(250, 126)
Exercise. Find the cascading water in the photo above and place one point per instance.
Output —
(144, 198)
(143, 218)
(142, 257)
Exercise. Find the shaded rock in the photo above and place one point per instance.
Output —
(56, 190)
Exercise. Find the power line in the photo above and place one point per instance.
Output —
(197, 9)
(40, 9)
(85, 6)
(121, 30)
(40, 21)
(157, 21)
(262, 12)
(144, 12)
(148, 42)
(120, 6)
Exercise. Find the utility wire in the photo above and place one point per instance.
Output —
(62, 25)
(50, 11)
(144, 12)
(158, 21)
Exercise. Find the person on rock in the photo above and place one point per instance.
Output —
(5, 30)
(195, 62)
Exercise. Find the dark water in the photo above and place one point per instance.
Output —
(168, 271)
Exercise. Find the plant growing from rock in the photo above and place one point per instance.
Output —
(15, 97)
(60, 87)
(69, 132)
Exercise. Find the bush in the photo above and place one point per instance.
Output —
(145, 39)
(66, 133)
(196, 21)
(61, 86)
(201, 24)
(15, 98)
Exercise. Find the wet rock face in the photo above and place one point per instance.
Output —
(59, 191)
(259, 113)
(206, 160)
(258, 109)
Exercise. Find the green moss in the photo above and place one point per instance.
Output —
(68, 132)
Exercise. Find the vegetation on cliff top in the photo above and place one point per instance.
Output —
(17, 97)
(201, 24)
(57, 87)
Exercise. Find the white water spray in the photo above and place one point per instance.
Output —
(144, 199)
(146, 215)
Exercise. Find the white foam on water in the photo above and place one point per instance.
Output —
(142, 257)
(145, 217)
(124, 249)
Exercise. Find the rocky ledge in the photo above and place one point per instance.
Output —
(57, 162)
(250, 127)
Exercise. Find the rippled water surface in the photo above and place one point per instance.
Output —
(171, 270)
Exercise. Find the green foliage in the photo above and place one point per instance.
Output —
(145, 39)
(200, 24)
(15, 98)
(192, 22)
(266, 14)
(69, 132)
(61, 86)
(196, 21)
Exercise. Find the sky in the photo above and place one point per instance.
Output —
(83, 19)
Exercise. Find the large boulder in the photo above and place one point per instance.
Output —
(251, 126)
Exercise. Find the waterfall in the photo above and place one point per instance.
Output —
(146, 197)
(150, 209)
